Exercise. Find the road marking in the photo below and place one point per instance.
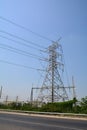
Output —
(41, 124)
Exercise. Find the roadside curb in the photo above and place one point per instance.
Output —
(46, 114)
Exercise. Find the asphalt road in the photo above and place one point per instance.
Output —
(22, 122)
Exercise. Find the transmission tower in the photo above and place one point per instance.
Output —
(53, 89)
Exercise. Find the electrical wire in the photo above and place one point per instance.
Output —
(21, 43)
(24, 28)
(20, 38)
(15, 50)
(19, 65)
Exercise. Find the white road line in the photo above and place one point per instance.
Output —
(41, 124)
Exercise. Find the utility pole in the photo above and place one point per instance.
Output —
(73, 84)
(17, 99)
(6, 99)
(1, 92)
(31, 97)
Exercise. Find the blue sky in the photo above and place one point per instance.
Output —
(52, 19)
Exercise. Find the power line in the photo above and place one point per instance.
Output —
(19, 65)
(24, 28)
(15, 50)
(21, 43)
(20, 38)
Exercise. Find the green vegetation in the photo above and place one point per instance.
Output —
(58, 107)
(72, 106)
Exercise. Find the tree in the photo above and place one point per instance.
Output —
(83, 104)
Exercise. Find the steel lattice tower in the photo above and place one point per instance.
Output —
(53, 89)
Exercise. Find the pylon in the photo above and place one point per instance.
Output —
(53, 89)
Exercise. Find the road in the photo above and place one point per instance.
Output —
(23, 122)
